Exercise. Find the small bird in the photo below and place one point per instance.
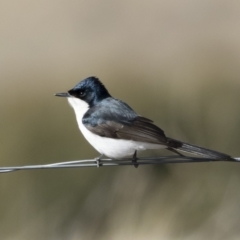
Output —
(115, 130)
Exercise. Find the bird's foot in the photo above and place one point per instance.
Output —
(97, 160)
(135, 159)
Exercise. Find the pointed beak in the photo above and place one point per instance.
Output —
(62, 95)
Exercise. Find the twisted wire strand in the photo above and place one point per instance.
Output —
(113, 162)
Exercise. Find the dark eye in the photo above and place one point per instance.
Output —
(81, 93)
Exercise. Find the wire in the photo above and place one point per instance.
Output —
(114, 162)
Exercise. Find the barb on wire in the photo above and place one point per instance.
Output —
(114, 162)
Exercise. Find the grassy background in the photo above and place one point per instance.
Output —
(176, 62)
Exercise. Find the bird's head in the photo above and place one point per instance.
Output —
(90, 91)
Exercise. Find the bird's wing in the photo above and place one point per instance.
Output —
(121, 122)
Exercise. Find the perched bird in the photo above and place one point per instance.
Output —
(115, 130)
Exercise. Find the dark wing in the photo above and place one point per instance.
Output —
(120, 122)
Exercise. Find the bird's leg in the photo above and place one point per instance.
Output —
(97, 159)
(175, 151)
(135, 159)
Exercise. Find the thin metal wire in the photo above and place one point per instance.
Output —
(114, 162)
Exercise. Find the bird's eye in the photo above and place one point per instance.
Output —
(81, 93)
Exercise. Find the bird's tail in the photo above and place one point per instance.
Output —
(193, 149)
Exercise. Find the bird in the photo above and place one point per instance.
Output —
(115, 130)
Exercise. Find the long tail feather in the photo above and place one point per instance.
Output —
(193, 149)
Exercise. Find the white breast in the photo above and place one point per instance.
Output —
(113, 148)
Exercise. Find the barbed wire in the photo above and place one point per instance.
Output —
(113, 162)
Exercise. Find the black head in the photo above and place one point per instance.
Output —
(90, 90)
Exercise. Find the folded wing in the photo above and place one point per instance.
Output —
(121, 122)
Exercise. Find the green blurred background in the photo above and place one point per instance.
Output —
(176, 62)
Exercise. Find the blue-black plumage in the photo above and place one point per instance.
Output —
(114, 129)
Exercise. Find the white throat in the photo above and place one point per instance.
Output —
(80, 108)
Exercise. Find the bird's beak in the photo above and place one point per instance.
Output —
(62, 95)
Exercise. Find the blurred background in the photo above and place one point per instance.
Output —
(176, 62)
